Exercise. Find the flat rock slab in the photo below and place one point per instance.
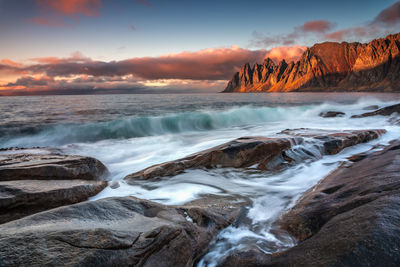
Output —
(351, 218)
(386, 111)
(37, 166)
(112, 232)
(266, 153)
(25, 197)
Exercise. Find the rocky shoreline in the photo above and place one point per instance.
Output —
(349, 218)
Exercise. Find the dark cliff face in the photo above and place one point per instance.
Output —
(327, 66)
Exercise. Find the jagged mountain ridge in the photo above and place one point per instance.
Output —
(328, 66)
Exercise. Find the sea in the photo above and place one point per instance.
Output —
(131, 132)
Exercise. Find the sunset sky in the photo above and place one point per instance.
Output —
(167, 46)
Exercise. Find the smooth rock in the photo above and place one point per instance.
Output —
(31, 166)
(371, 107)
(332, 114)
(386, 111)
(25, 197)
(267, 153)
(112, 232)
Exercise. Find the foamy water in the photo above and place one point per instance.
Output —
(129, 133)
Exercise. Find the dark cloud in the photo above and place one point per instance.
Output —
(309, 27)
(317, 26)
(29, 81)
(207, 64)
(356, 32)
(389, 16)
(383, 23)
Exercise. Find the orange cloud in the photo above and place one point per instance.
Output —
(207, 69)
(289, 53)
(71, 7)
(75, 57)
(206, 64)
(54, 12)
(7, 61)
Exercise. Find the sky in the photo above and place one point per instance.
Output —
(92, 46)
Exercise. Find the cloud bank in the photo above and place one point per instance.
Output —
(207, 68)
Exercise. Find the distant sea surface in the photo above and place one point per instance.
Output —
(131, 132)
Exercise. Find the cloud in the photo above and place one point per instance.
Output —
(309, 27)
(317, 26)
(51, 22)
(55, 13)
(71, 7)
(76, 57)
(289, 53)
(204, 69)
(207, 64)
(389, 16)
(29, 81)
(7, 61)
(383, 22)
(358, 32)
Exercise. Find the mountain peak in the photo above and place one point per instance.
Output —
(328, 66)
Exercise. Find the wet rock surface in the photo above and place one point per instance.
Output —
(332, 114)
(38, 179)
(25, 197)
(386, 111)
(349, 219)
(38, 166)
(112, 232)
(266, 153)
(371, 107)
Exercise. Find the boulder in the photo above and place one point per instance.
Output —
(386, 111)
(332, 114)
(266, 153)
(37, 166)
(25, 197)
(112, 232)
(371, 107)
(350, 218)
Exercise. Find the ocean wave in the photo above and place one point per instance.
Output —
(131, 127)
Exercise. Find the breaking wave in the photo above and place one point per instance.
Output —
(131, 127)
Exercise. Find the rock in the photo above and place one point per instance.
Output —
(25, 197)
(386, 111)
(332, 114)
(114, 184)
(372, 107)
(242, 152)
(327, 66)
(266, 153)
(248, 258)
(32, 166)
(112, 232)
(351, 218)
